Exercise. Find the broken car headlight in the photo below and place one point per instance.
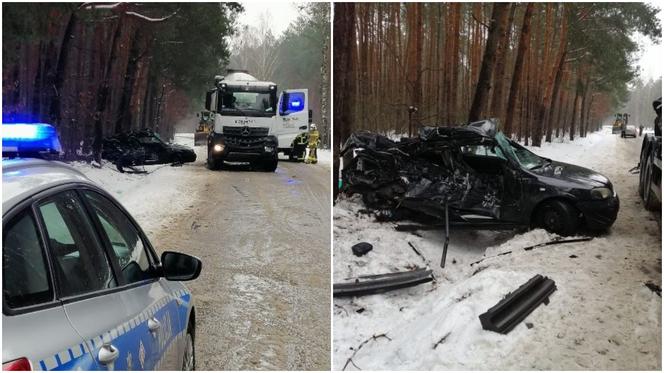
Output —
(219, 148)
(600, 193)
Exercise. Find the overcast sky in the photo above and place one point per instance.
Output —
(280, 14)
(651, 59)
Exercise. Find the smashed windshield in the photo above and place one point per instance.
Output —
(523, 156)
(248, 103)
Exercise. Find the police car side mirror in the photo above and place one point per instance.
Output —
(180, 267)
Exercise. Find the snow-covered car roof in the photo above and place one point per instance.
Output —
(22, 178)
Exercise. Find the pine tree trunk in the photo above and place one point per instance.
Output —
(344, 28)
(517, 75)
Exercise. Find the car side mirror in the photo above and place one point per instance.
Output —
(180, 267)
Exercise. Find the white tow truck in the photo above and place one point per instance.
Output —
(251, 123)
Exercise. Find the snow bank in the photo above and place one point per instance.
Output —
(601, 317)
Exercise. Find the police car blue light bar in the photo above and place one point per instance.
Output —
(29, 139)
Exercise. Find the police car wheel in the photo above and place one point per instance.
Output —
(189, 360)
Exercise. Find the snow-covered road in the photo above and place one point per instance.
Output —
(601, 317)
(262, 300)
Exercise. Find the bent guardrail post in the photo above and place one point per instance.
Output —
(447, 237)
(510, 311)
(373, 284)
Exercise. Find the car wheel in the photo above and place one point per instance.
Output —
(177, 160)
(189, 356)
(558, 217)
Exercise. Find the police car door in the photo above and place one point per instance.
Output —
(34, 324)
(293, 116)
(89, 287)
(152, 320)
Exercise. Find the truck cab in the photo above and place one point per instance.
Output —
(252, 123)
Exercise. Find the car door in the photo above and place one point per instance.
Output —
(115, 333)
(496, 189)
(293, 116)
(146, 298)
(34, 324)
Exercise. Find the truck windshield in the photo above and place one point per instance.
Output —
(247, 103)
(521, 155)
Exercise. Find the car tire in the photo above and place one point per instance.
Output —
(189, 355)
(177, 160)
(559, 217)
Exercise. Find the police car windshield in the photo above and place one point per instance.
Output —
(248, 103)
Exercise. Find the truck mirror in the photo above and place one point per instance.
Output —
(284, 103)
(208, 100)
(311, 116)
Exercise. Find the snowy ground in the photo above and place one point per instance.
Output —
(601, 317)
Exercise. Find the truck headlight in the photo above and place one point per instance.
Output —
(218, 148)
(600, 193)
(269, 148)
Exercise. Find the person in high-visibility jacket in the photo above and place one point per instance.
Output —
(314, 140)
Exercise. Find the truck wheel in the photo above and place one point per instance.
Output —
(558, 217)
(649, 198)
(271, 165)
(214, 164)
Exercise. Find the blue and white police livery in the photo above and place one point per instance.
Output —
(83, 288)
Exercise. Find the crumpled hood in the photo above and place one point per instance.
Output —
(574, 174)
(180, 148)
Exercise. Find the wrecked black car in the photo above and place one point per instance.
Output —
(144, 147)
(479, 176)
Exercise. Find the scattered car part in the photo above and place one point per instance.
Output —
(510, 311)
(447, 237)
(528, 248)
(654, 288)
(373, 284)
(361, 248)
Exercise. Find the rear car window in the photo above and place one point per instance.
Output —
(81, 266)
(25, 280)
(130, 252)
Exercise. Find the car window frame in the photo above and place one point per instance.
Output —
(33, 202)
(39, 200)
(28, 206)
(108, 247)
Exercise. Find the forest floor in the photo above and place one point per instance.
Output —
(602, 316)
(263, 297)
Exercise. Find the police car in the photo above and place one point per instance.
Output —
(82, 287)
